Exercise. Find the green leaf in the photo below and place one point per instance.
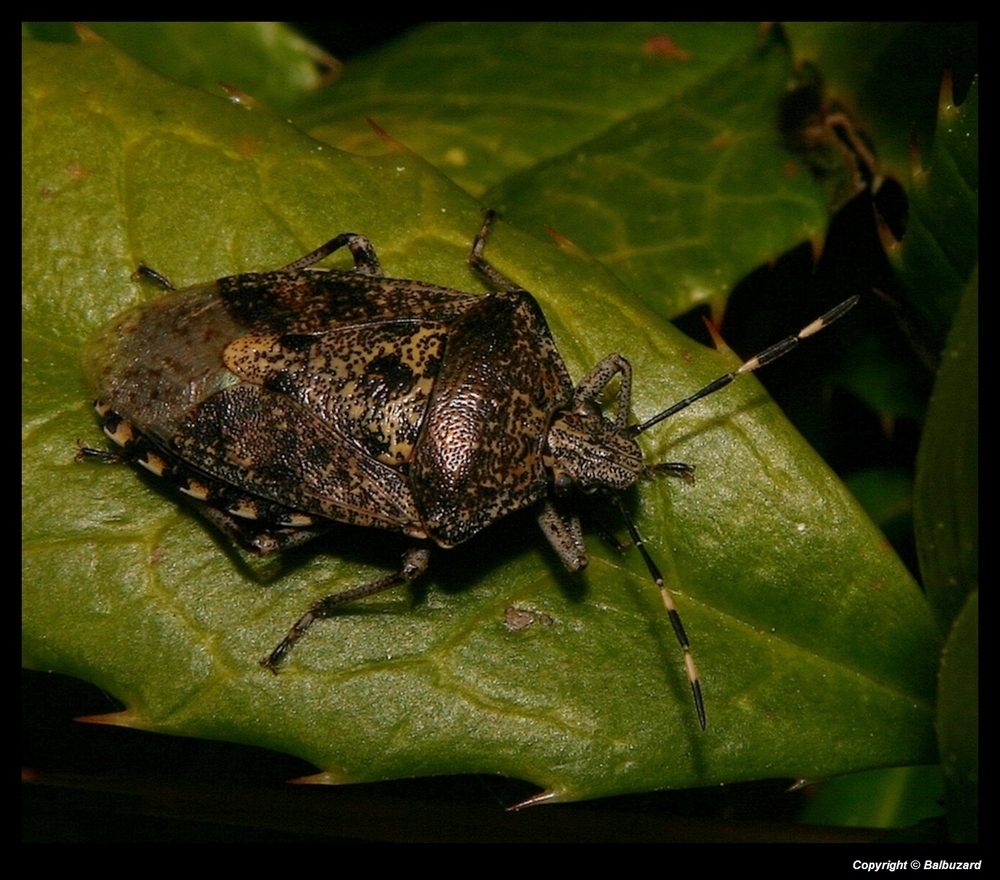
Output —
(958, 722)
(265, 59)
(941, 249)
(670, 198)
(483, 101)
(947, 491)
(653, 146)
(946, 518)
(817, 652)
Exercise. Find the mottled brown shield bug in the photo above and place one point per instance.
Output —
(285, 400)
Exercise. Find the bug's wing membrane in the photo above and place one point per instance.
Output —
(153, 383)
(260, 441)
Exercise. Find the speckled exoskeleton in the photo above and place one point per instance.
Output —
(287, 399)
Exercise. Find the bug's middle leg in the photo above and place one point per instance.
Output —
(483, 266)
(365, 260)
(415, 562)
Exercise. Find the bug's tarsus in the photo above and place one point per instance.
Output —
(144, 271)
(104, 456)
(755, 363)
(675, 468)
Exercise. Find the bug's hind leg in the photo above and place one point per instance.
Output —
(415, 562)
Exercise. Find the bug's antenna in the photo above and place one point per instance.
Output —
(759, 360)
(668, 603)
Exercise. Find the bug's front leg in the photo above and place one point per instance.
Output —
(415, 562)
(599, 378)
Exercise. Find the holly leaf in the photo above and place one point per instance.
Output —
(658, 165)
(817, 652)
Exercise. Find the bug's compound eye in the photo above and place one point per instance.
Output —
(563, 482)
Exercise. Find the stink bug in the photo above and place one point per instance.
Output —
(288, 399)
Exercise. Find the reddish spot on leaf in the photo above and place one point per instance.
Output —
(663, 46)
(77, 171)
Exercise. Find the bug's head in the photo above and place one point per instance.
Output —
(586, 451)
